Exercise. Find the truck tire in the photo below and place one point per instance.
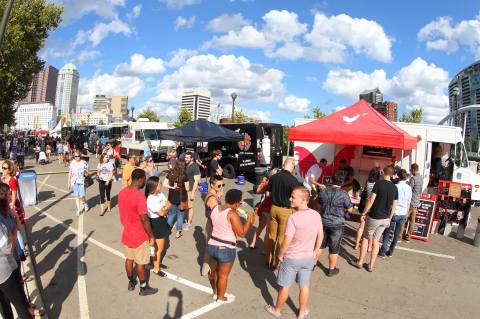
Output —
(229, 171)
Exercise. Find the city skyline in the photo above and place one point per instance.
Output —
(282, 58)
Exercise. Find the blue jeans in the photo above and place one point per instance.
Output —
(397, 224)
(173, 213)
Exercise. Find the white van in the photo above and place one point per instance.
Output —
(432, 139)
(136, 134)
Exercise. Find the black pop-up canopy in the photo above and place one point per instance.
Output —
(201, 131)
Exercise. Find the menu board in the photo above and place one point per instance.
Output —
(423, 219)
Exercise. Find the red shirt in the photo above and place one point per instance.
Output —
(132, 204)
(117, 151)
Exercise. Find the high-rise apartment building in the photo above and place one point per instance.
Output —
(468, 83)
(33, 116)
(197, 101)
(387, 109)
(119, 107)
(102, 104)
(44, 86)
(67, 90)
(373, 96)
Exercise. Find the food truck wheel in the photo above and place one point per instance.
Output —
(229, 171)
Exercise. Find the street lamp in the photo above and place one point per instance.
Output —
(234, 97)
(132, 109)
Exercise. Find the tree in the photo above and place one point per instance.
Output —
(28, 26)
(241, 117)
(316, 114)
(150, 114)
(184, 116)
(414, 116)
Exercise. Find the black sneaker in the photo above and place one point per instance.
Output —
(147, 290)
(382, 255)
(333, 272)
(389, 254)
(131, 285)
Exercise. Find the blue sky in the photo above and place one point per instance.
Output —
(281, 57)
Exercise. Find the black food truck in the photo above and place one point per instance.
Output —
(261, 147)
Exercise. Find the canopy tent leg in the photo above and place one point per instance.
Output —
(401, 161)
(288, 150)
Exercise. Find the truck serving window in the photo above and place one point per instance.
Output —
(461, 159)
(150, 135)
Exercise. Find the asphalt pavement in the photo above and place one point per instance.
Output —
(80, 264)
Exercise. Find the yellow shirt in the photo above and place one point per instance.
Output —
(127, 173)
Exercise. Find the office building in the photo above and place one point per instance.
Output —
(44, 86)
(34, 116)
(119, 107)
(67, 90)
(91, 118)
(101, 104)
(374, 96)
(468, 83)
(197, 101)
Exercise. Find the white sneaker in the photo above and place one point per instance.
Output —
(186, 227)
(85, 207)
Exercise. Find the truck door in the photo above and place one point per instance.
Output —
(276, 146)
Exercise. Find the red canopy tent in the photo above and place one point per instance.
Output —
(358, 124)
(41, 132)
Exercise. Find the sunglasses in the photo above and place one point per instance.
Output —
(150, 161)
(220, 185)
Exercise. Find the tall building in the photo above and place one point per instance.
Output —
(33, 116)
(67, 90)
(91, 118)
(44, 86)
(373, 96)
(119, 107)
(197, 101)
(388, 109)
(468, 83)
(101, 104)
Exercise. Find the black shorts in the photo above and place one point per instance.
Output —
(332, 237)
(160, 228)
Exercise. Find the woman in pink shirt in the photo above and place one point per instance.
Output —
(221, 245)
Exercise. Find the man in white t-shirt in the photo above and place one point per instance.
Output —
(313, 175)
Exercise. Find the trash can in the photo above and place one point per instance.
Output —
(27, 182)
(476, 240)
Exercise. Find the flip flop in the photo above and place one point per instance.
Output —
(354, 264)
(34, 311)
(27, 278)
(367, 267)
(160, 274)
(269, 309)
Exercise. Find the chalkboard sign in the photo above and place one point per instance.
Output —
(423, 219)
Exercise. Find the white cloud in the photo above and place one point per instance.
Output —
(294, 104)
(222, 75)
(264, 116)
(74, 9)
(332, 37)
(135, 12)
(179, 56)
(181, 22)
(179, 4)
(140, 65)
(86, 55)
(108, 84)
(311, 78)
(418, 84)
(227, 22)
(441, 34)
(102, 30)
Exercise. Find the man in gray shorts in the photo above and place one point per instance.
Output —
(299, 249)
(380, 207)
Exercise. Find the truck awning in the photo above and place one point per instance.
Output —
(358, 124)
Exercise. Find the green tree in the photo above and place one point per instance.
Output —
(414, 116)
(150, 114)
(28, 26)
(316, 114)
(241, 117)
(184, 116)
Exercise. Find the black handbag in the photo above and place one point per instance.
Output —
(88, 181)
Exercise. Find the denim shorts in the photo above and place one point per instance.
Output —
(222, 254)
(79, 190)
(295, 270)
(332, 237)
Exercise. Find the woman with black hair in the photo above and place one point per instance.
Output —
(177, 184)
(158, 207)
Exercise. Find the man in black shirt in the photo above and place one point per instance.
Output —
(380, 208)
(280, 188)
(214, 168)
(193, 174)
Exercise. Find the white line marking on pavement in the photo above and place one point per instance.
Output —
(55, 200)
(426, 252)
(201, 311)
(54, 187)
(81, 283)
(43, 183)
(180, 280)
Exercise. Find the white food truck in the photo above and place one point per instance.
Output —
(134, 137)
(433, 141)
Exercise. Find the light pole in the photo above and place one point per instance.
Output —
(234, 97)
(132, 109)
(3, 25)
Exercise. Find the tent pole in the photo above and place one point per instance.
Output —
(401, 162)
(288, 149)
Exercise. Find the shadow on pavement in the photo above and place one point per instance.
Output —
(200, 244)
(174, 301)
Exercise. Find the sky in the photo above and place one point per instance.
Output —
(281, 57)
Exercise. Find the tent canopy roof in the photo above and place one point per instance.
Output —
(201, 131)
(358, 124)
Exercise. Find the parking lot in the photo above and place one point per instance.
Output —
(81, 273)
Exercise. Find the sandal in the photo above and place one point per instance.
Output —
(367, 267)
(354, 264)
(178, 235)
(160, 273)
(34, 311)
(26, 278)
(271, 311)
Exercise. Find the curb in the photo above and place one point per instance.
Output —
(34, 287)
